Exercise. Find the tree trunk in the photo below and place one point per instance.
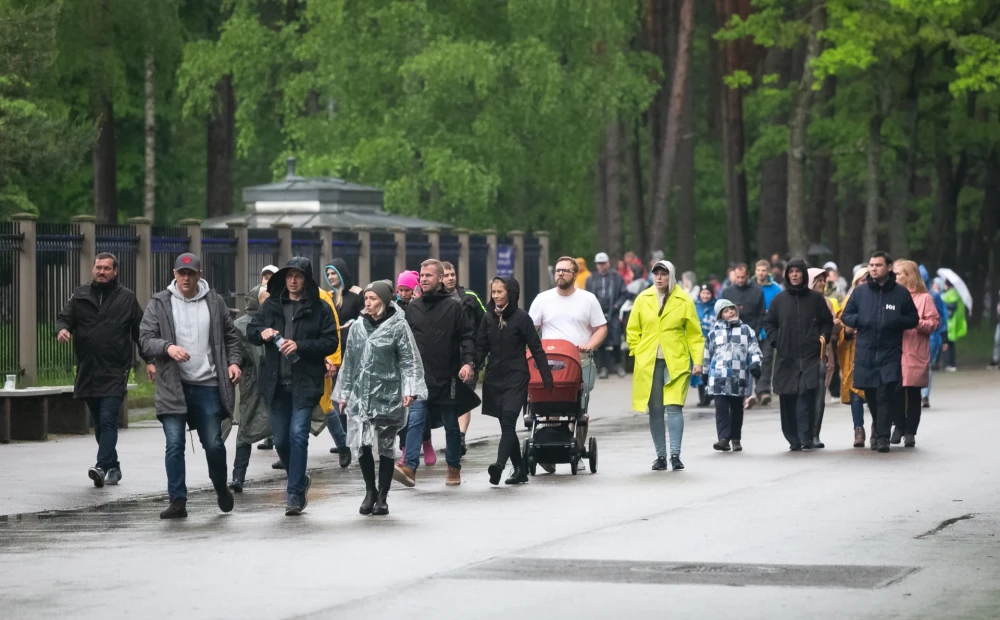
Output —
(798, 235)
(220, 142)
(874, 160)
(104, 153)
(636, 211)
(600, 204)
(903, 195)
(853, 229)
(984, 239)
(149, 197)
(772, 229)
(668, 156)
(658, 17)
(823, 221)
(613, 189)
(950, 182)
(684, 196)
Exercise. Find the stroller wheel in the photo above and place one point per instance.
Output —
(592, 454)
(574, 464)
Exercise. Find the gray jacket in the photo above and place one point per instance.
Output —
(156, 333)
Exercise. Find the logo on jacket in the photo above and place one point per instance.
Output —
(890, 307)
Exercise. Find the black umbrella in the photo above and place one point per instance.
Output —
(818, 249)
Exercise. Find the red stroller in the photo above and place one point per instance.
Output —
(555, 413)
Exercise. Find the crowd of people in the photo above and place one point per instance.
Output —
(389, 361)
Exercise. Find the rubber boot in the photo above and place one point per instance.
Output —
(385, 470)
(367, 464)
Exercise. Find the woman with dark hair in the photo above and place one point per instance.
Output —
(504, 334)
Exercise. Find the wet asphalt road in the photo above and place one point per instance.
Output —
(763, 534)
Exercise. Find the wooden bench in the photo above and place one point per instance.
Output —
(32, 413)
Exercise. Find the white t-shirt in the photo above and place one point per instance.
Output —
(573, 317)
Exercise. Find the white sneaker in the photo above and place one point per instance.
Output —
(950, 369)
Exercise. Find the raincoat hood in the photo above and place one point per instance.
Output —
(673, 276)
(815, 273)
(721, 305)
(345, 275)
(797, 263)
(925, 275)
(513, 295)
(276, 285)
(203, 289)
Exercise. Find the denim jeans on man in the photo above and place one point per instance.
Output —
(420, 410)
(104, 412)
(290, 428)
(336, 426)
(204, 412)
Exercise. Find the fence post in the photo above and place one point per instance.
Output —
(27, 328)
(87, 225)
(194, 235)
(284, 242)
(364, 254)
(543, 260)
(326, 250)
(399, 236)
(434, 239)
(239, 229)
(463, 256)
(518, 237)
(143, 259)
(491, 254)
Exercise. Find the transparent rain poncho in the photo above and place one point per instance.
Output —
(253, 414)
(381, 365)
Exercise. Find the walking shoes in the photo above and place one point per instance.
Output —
(454, 477)
(404, 475)
(97, 475)
(859, 437)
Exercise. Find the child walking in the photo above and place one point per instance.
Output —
(732, 355)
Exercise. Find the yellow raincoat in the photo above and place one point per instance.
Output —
(325, 402)
(678, 330)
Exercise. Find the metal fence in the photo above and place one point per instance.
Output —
(120, 240)
(263, 249)
(347, 247)
(218, 260)
(10, 264)
(531, 286)
(57, 276)
(383, 257)
(450, 250)
(308, 244)
(418, 249)
(168, 242)
(478, 249)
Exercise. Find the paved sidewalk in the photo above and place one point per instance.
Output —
(52, 475)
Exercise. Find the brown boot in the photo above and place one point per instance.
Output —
(404, 475)
(859, 437)
(454, 477)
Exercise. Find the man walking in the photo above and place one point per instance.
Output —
(880, 312)
(474, 310)
(298, 331)
(188, 333)
(748, 297)
(770, 289)
(569, 313)
(103, 319)
(798, 326)
(252, 299)
(609, 287)
(446, 342)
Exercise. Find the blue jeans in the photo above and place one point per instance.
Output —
(935, 351)
(857, 411)
(336, 427)
(290, 428)
(204, 412)
(675, 415)
(417, 419)
(104, 411)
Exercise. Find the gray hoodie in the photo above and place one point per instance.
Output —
(192, 331)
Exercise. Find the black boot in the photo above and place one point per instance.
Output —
(520, 476)
(897, 435)
(385, 469)
(176, 510)
(345, 457)
(367, 464)
(267, 444)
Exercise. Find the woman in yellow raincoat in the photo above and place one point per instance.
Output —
(322, 416)
(664, 335)
(582, 274)
(845, 356)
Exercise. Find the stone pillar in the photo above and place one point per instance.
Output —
(143, 259)
(434, 239)
(399, 234)
(194, 235)
(87, 225)
(543, 260)
(463, 256)
(491, 255)
(242, 262)
(364, 254)
(518, 237)
(26, 305)
(326, 249)
(284, 242)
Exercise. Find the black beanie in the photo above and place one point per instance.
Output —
(382, 288)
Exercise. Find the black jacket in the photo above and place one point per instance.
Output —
(446, 341)
(104, 322)
(794, 323)
(472, 306)
(314, 333)
(880, 314)
(505, 387)
(749, 300)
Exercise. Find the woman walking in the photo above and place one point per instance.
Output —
(916, 352)
(850, 395)
(505, 332)
(664, 335)
(381, 375)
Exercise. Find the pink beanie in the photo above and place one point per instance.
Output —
(409, 279)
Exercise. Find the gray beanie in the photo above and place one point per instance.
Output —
(721, 305)
(382, 288)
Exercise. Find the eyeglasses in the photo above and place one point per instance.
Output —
(565, 271)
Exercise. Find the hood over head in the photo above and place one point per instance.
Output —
(673, 274)
(721, 305)
(345, 275)
(691, 277)
(830, 265)
(276, 285)
(815, 273)
(860, 276)
(513, 295)
(925, 275)
(203, 289)
(581, 265)
(801, 265)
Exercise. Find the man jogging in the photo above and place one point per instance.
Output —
(298, 331)
(188, 333)
(474, 311)
(103, 319)
(880, 311)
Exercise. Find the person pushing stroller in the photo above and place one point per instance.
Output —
(731, 356)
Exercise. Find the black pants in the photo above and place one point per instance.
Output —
(609, 357)
(729, 417)
(241, 462)
(907, 413)
(883, 402)
(797, 417)
(509, 446)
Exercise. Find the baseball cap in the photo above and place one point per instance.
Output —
(601, 257)
(271, 269)
(187, 260)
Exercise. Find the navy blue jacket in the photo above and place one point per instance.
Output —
(880, 314)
